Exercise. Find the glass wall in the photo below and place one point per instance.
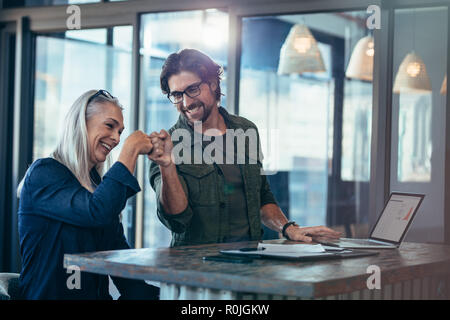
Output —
(71, 63)
(418, 114)
(163, 34)
(308, 89)
(37, 3)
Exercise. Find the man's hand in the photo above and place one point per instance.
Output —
(306, 234)
(172, 196)
(162, 148)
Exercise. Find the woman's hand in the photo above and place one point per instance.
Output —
(137, 143)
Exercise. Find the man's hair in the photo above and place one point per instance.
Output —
(194, 61)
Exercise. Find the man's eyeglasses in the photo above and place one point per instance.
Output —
(101, 93)
(192, 91)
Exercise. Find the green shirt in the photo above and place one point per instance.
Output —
(206, 218)
(234, 192)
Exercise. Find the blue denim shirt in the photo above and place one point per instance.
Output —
(58, 216)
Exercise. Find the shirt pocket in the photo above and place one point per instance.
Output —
(201, 181)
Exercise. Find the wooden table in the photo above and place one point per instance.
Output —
(415, 271)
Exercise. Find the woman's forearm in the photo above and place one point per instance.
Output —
(128, 157)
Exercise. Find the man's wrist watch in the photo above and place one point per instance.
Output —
(283, 232)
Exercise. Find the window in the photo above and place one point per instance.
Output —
(418, 114)
(163, 34)
(71, 63)
(321, 117)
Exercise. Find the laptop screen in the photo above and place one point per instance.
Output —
(396, 216)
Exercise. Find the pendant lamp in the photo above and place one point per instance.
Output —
(444, 86)
(360, 65)
(412, 76)
(300, 52)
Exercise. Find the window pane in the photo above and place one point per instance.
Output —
(89, 35)
(163, 34)
(418, 114)
(68, 65)
(357, 131)
(294, 87)
(38, 3)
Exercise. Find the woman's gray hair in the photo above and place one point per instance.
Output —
(73, 146)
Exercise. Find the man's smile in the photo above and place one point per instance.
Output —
(193, 108)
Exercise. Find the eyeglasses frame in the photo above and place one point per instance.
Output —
(100, 92)
(185, 92)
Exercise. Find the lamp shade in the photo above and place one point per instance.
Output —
(444, 86)
(360, 65)
(412, 76)
(300, 52)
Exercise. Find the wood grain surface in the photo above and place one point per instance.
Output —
(185, 266)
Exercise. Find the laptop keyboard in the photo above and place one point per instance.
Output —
(360, 242)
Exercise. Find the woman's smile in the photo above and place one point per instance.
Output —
(106, 146)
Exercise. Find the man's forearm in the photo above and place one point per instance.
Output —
(172, 197)
(272, 217)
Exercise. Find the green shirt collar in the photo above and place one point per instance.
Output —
(182, 123)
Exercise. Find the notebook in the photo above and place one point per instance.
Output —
(294, 252)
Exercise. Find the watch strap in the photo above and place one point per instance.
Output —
(283, 232)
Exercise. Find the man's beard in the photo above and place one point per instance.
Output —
(205, 116)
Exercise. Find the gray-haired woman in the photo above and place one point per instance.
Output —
(71, 201)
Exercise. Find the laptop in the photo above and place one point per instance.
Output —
(391, 227)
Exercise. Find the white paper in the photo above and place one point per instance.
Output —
(290, 248)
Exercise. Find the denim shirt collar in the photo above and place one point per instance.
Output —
(95, 176)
